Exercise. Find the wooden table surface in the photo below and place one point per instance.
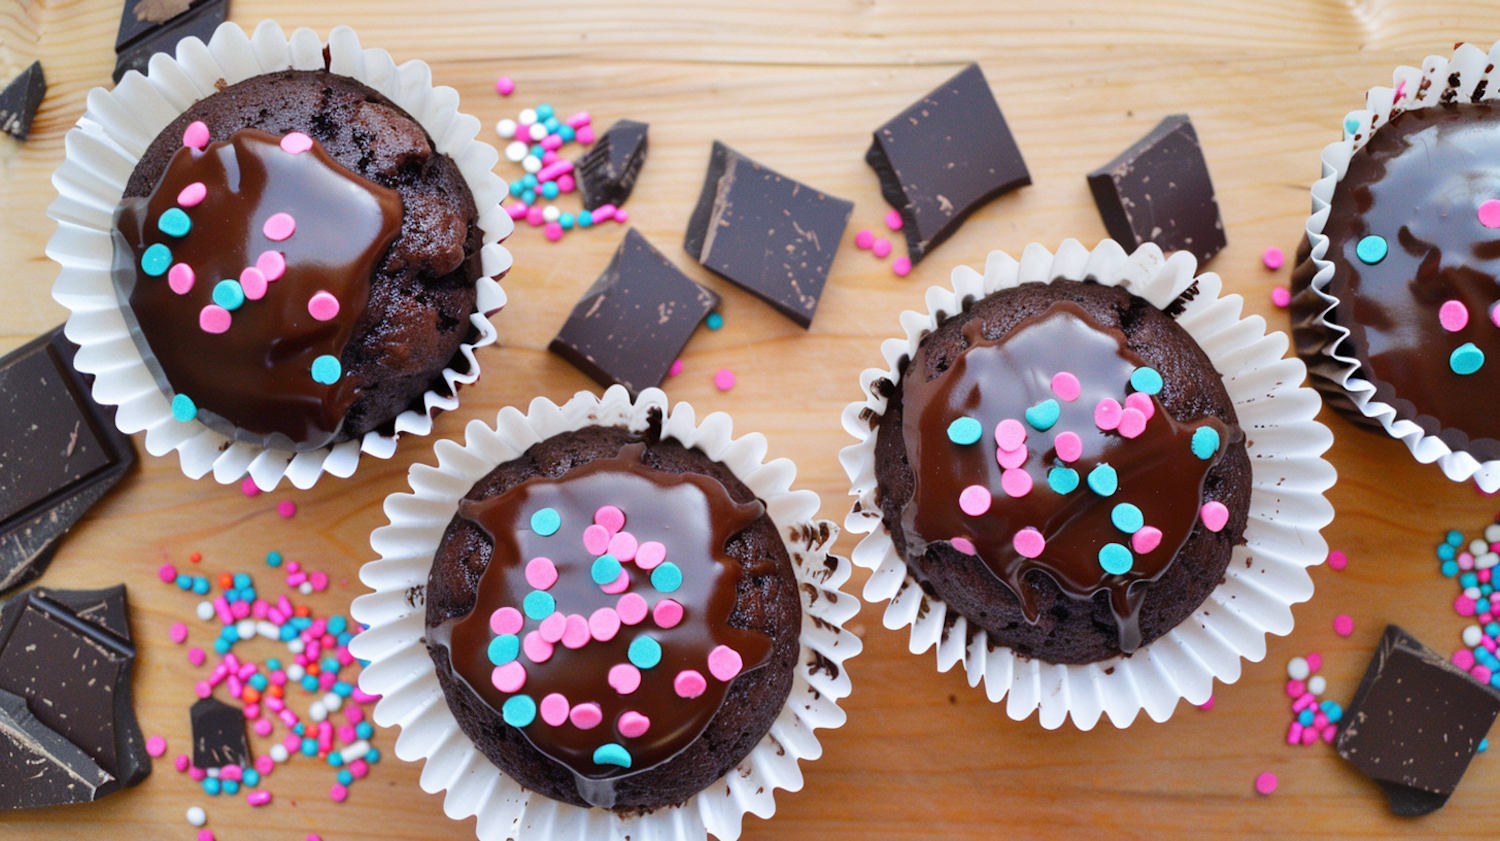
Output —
(799, 86)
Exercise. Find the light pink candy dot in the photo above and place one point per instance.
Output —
(974, 500)
(1273, 257)
(1281, 296)
(604, 623)
(178, 633)
(649, 555)
(296, 143)
(249, 488)
(272, 264)
(167, 573)
(1314, 661)
(279, 227)
(632, 609)
(1015, 483)
(610, 517)
(624, 678)
(1214, 515)
(181, 278)
(1265, 783)
(156, 746)
(1012, 458)
(196, 656)
(1464, 606)
(541, 573)
(1029, 543)
(509, 677)
(1489, 214)
(667, 613)
(585, 135)
(622, 215)
(901, 266)
(1337, 560)
(505, 86)
(553, 627)
(724, 663)
(192, 194)
(253, 283)
(537, 649)
(619, 585)
(893, 219)
(1495, 315)
(182, 763)
(534, 217)
(1453, 315)
(633, 725)
(1107, 414)
(596, 539)
(1141, 402)
(1145, 539)
(1464, 659)
(1010, 434)
(963, 544)
(1066, 386)
(1069, 446)
(1132, 423)
(586, 716)
(724, 379)
(675, 369)
(554, 709)
(214, 319)
(1465, 561)
(576, 635)
(553, 231)
(323, 306)
(689, 684)
(623, 546)
(195, 135)
(881, 247)
(1481, 673)
(506, 620)
(864, 239)
(286, 509)
(1343, 625)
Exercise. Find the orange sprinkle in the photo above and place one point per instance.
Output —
(249, 695)
(195, 557)
(314, 669)
(275, 691)
(226, 581)
(302, 610)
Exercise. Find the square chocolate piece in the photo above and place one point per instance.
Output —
(607, 174)
(765, 233)
(945, 157)
(1159, 191)
(1415, 722)
(634, 321)
(218, 735)
(20, 99)
(148, 27)
(38, 767)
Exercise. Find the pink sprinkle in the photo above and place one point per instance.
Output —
(253, 282)
(1281, 296)
(1010, 434)
(596, 539)
(264, 765)
(724, 663)
(1265, 783)
(1464, 659)
(553, 627)
(214, 319)
(549, 157)
(1207, 705)
(893, 219)
(195, 135)
(1464, 606)
(1489, 214)
(689, 684)
(1343, 625)
(604, 213)
(263, 727)
(206, 835)
(974, 500)
(633, 725)
(182, 763)
(1453, 315)
(1141, 402)
(1132, 423)
(505, 86)
(864, 239)
(1029, 543)
(964, 545)
(1066, 386)
(258, 798)
(881, 247)
(631, 609)
(604, 623)
(534, 217)
(553, 231)
(1069, 446)
(557, 170)
(323, 306)
(667, 613)
(1494, 319)
(203, 689)
(1337, 560)
(1330, 733)
(1320, 720)
(675, 369)
(1107, 414)
(623, 546)
(178, 633)
(611, 518)
(541, 573)
(156, 746)
(272, 264)
(318, 580)
(577, 634)
(518, 209)
(1296, 689)
(192, 194)
(1274, 258)
(566, 184)
(586, 716)
(649, 555)
(196, 656)
(279, 227)
(1012, 459)
(249, 488)
(579, 120)
(1314, 661)
(287, 509)
(1481, 673)
(338, 793)
(537, 650)
(509, 677)
(901, 266)
(552, 142)
(619, 585)
(296, 143)
(1309, 735)
(554, 709)
(1016, 483)
(585, 135)
(624, 678)
(167, 573)
(197, 774)
(724, 379)
(1214, 515)
(1145, 539)
(1465, 561)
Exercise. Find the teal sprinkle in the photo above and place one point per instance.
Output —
(1466, 359)
(538, 605)
(1455, 538)
(606, 570)
(1351, 125)
(1043, 415)
(1205, 442)
(585, 220)
(327, 370)
(544, 112)
(156, 260)
(174, 222)
(183, 408)
(229, 294)
(546, 522)
(1103, 480)
(345, 778)
(528, 197)
(519, 710)
(1115, 559)
(645, 652)
(1371, 250)
(714, 321)
(1064, 480)
(1446, 552)
(666, 578)
(504, 649)
(612, 754)
(1484, 745)
(1127, 518)
(1146, 380)
(517, 188)
(566, 221)
(965, 431)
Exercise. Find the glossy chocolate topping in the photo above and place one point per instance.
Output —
(995, 381)
(254, 381)
(1419, 184)
(693, 518)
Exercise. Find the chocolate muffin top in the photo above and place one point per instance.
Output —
(296, 261)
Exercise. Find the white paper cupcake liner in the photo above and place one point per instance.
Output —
(1267, 574)
(102, 151)
(1440, 80)
(401, 671)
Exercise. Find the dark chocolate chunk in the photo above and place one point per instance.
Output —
(633, 322)
(59, 453)
(38, 767)
(20, 99)
(218, 735)
(1415, 722)
(155, 29)
(945, 157)
(1159, 191)
(106, 608)
(771, 236)
(606, 175)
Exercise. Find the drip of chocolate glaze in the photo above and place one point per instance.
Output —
(694, 517)
(992, 381)
(253, 382)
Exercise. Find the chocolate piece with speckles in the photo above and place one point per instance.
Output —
(636, 318)
(607, 174)
(765, 233)
(1159, 191)
(1415, 722)
(20, 99)
(38, 767)
(218, 735)
(148, 27)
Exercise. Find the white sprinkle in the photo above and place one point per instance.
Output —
(206, 611)
(1473, 593)
(1487, 560)
(196, 816)
(1296, 668)
(333, 701)
(317, 712)
(506, 128)
(213, 773)
(516, 151)
(305, 588)
(246, 629)
(358, 750)
(550, 213)
(537, 131)
(278, 753)
(295, 672)
(296, 646)
(1316, 684)
(1473, 635)
(1478, 547)
(526, 117)
(531, 164)
(1492, 532)
(267, 630)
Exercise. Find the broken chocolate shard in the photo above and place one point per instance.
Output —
(1159, 191)
(106, 608)
(1415, 723)
(59, 453)
(20, 99)
(945, 157)
(634, 321)
(38, 767)
(765, 233)
(218, 735)
(142, 37)
(607, 174)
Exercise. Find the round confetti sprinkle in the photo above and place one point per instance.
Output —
(667, 613)
(1141, 402)
(576, 632)
(554, 709)
(965, 431)
(192, 194)
(286, 509)
(1115, 559)
(156, 746)
(1266, 783)
(323, 306)
(296, 143)
(618, 586)
(894, 222)
(1343, 625)
(901, 266)
(724, 663)
(195, 135)
(666, 578)
(864, 239)
(675, 369)
(229, 294)
(506, 620)
(644, 652)
(183, 408)
(181, 278)
(974, 500)
(1043, 415)
(279, 227)
(624, 678)
(612, 754)
(1103, 480)
(1132, 423)
(1063, 480)
(633, 725)
(272, 264)
(196, 816)
(1489, 213)
(1337, 560)
(1016, 483)
(964, 545)
(624, 546)
(689, 684)
(1215, 515)
(1371, 250)
(1107, 414)
(1466, 359)
(1145, 539)
(586, 716)
(518, 710)
(538, 649)
(724, 379)
(553, 627)
(214, 319)
(596, 539)
(509, 677)
(632, 609)
(1146, 380)
(505, 86)
(504, 649)
(546, 522)
(156, 260)
(649, 555)
(1273, 257)
(1281, 296)
(178, 632)
(538, 605)
(605, 570)
(1069, 446)
(1029, 543)
(327, 370)
(1012, 459)
(1010, 434)
(253, 283)
(1066, 386)
(1205, 442)
(1453, 316)
(881, 247)
(174, 222)
(1127, 518)
(604, 623)
(714, 321)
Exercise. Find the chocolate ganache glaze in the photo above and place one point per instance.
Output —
(610, 679)
(1073, 454)
(244, 273)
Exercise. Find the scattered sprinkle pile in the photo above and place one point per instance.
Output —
(1473, 565)
(537, 136)
(866, 240)
(1312, 720)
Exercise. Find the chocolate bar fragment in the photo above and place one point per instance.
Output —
(218, 735)
(148, 27)
(607, 174)
(106, 608)
(59, 453)
(765, 233)
(945, 157)
(634, 321)
(1415, 722)
(20, 99)
(1159, 191)
(38, 767)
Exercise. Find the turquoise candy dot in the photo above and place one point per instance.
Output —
(1064, 480)
(1450, 569)
(1305, 718)
(567, 133)
(714, 321)
(1127, 518)
(1103, 480)
(1351, 125)
(1455, 538)
(965, 431)
(1466, 359)
(1205, 442)
(1043, 415)
(174, 222)
(1115, 559)
(538, 605)
(666, 578)
(156, 260)
(519, 710)
(546, 522)
(612, 754)
(1146, 380)
(517, 188)
(606, 570)
(183, 408)
(528, 196)
(504, 649)
(550, 190)
(528, 181)
(1446, 552)
(1371, 249)
(1484, 744)
(327, 370)
(645, 652)
(544, 112)
(229, 294)
(566, 221)
(585, 220)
